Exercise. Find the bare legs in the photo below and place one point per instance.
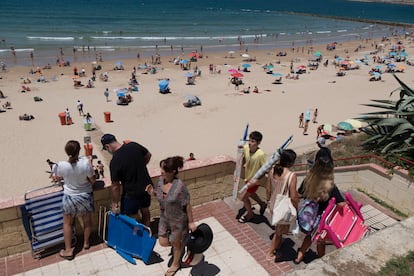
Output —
(177, 249)
(67, 235)
(307, 242)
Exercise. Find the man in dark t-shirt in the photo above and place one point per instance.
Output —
(128, 169)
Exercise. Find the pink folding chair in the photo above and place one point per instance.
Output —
(341, 225)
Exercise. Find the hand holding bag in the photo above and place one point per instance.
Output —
(283, 210)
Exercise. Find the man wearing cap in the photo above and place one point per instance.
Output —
(323, 149)
(128, 168)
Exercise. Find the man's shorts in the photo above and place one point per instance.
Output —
(131, 205)
(253, 189)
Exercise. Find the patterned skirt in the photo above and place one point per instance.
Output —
(79, 204)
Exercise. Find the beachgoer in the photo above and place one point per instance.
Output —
(319, 186)
(80, 108)
(256, 90)
(191, 157)
(315, 115)
(67, 117)
(100, 167)
(307, 120)
(128, 169)
(78, 177)
(301, 120)
(253, 159)
(281, 174)
(88, 118)
(106, 93)
(176, 216)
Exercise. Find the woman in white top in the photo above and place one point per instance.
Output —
(281, 174)
(78, 177)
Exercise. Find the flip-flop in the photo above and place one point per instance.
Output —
(69, 257)
(243, 219)
(172, 272)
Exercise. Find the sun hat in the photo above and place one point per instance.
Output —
(107, 139)
(201, 239)
(321, 142)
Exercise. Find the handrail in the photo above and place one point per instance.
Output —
(359, 158)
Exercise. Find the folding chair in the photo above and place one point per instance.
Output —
(129, 238)
(43, 218)
(342, 226)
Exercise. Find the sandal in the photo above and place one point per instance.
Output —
(172, 271)
(244, 219)
(66, 257)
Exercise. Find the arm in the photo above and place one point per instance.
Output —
(293, 193)
(116, 196)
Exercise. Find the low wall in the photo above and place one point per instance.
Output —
(207, 180)
(211, 179)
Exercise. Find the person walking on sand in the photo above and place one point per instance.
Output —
(78, 177)
(67, 117)
(106, 93)
(301, 120)
(254, 158)
(129, 173)
(307, 120)
(315, 115)
(80, 108)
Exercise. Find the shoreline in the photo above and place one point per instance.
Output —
(164, 126)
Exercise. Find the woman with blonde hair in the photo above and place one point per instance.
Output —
(318, 186)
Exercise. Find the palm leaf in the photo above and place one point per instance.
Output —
(407, 90)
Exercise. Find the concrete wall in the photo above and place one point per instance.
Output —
(211, 179)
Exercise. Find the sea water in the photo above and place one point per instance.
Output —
(84, 30)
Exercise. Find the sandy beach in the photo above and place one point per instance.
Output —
(161, 122)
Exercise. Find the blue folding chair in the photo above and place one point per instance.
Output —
(42, 218)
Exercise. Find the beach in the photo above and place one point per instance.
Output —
(161, 123)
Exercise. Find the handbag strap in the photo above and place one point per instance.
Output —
(286, 181)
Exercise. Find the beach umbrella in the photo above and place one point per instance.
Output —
(194, 54)
(118, 63)
(245, 55)
(269, 67)
(377, 74)
(327, 129)
(356, 124)
(184, 61)
(189, 74)
(302, 67)
(345, 126)
(246, 65)
(232, 70)
(403, 54)
(231, 53)
(317, 54)
(237, 75)
(163, 84)
(277, 75)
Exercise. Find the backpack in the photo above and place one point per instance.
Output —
(308, 217)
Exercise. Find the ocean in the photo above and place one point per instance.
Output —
(85, 29)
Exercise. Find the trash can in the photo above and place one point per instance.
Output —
(88, 149)
(107, 116)
(62, 117)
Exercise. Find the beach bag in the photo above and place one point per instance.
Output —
(283, 210)
(308, 217)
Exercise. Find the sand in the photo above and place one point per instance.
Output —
(163, 125)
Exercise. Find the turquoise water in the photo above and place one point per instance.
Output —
(123, 28)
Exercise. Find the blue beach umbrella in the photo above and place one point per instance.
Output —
(189, 74)
(184, 61)
(163, 84)
(277, 75)
(317, 54)
(246, 65)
